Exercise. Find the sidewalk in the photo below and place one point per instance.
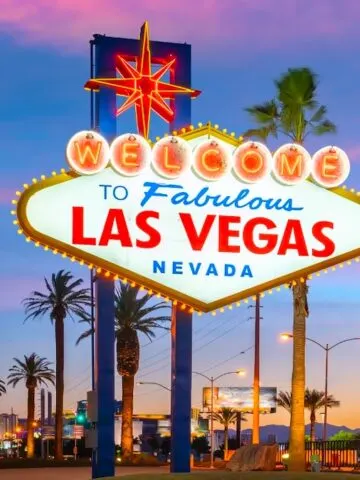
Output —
(69, 473)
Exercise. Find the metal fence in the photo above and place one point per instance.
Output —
(331, 454)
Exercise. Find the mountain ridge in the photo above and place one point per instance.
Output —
(281, 432)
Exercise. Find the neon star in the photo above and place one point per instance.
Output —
(143, 89)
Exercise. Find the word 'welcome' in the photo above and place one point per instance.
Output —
(129, 155)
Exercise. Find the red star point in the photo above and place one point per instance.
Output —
(143, 89)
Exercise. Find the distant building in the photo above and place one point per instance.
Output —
(8, 423)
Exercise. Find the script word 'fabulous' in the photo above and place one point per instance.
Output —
(130, 154)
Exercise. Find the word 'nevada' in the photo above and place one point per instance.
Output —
(129, 155)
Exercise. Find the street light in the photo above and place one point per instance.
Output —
(154, 383)
(212, 380)
(326, 348)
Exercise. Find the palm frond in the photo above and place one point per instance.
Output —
(284, 400)
(295, 112)
(63, 297)
(225, 416)
(33, 370)
(2, 387)
(84, 335)
(315, 400)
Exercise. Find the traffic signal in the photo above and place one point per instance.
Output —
(80, 418)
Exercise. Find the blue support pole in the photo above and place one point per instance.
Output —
(103, 464)
(181, 326)
(181, 366)
(104, 380)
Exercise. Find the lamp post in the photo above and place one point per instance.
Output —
(212, 380)
(155, 383)
(327, 348)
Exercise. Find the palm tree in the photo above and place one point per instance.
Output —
(226, 417)
(34, 371)
(314, 401)
(296, 114)
(133, 314)
(284, 400)
(2, 387)
(63, 298)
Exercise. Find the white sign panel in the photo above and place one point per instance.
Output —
(205, 243)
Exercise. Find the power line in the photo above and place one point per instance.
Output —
(220, 336)
(151, 342)
(227, 360)
(167, 349)
(73, 387)
(165, 352)
(201, 347)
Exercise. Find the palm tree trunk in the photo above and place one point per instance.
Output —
(30, 422)
(127, 414)
(226, 441)
(59, 341)
(312, 425)
(297, 422)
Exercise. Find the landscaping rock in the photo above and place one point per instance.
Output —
(253, 457)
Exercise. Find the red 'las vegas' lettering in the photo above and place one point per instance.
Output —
(270, 239)
(116, 229)
(225, 233)
(253, 237)
(154, 237)
(197, 240)
(78, 235)
(328, 244)
(293, 239)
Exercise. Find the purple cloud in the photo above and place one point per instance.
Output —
(260, 24)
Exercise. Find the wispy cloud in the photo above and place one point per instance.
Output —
(245, 23)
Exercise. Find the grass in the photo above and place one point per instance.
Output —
(243, 476)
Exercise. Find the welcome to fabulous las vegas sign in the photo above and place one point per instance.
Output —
(198, 217)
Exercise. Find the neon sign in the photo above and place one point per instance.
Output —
(198, 217)
(145, 90)
(171, 157)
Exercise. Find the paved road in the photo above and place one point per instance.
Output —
(70, 473)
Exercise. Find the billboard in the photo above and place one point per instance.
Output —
(199, 426)
(198, 217)
(240, 398)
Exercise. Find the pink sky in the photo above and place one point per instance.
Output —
(257, 23)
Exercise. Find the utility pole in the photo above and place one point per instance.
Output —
(256, 383)
(326, 390)
(238, 429)
(42, 420)
(212, 439)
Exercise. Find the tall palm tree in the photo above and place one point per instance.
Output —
(34, 371)
(296, 114)
(226, 417)
(134, 314)
(2, 387)
(314, 401)
(63, 298)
